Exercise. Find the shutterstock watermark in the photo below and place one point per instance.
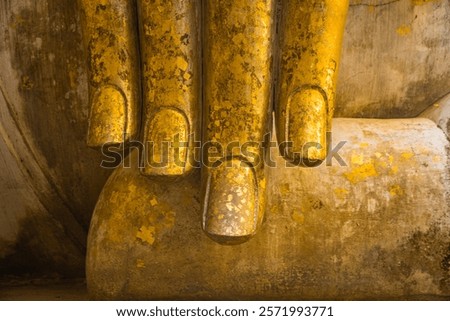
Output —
(196, 154)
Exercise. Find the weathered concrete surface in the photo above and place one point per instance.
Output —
(49, 179)
(377, 228)
(396, 58)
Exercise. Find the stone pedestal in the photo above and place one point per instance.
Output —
(375, 228)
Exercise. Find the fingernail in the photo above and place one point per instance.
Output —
(306, 126)
(107, 119)
(166, 144)
(230, 209)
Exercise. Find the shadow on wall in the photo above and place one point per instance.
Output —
(50, 180)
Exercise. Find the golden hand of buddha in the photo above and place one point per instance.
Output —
(208, 74)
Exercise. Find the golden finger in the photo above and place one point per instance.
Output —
(109, 30)
(169, 33)
(311, 33)
(237, 91)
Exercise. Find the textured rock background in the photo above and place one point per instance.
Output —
(395, 64)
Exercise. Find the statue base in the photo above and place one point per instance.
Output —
(377, 228)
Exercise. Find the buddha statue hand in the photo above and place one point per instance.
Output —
(207, 73)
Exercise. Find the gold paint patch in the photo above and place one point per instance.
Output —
(396, 190)
(146, 234)
(407, 155)
(341, 193)
(361, 173)
(403, 30)
(140, 264)
(298, 217)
